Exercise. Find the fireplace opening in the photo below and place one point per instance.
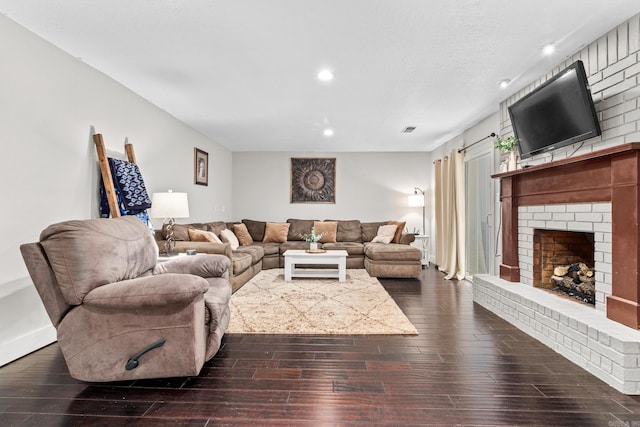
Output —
(563, 262)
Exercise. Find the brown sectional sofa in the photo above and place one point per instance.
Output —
(392, 260)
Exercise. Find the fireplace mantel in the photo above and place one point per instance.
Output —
(610, 175)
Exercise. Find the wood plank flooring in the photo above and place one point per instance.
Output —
(467, 367)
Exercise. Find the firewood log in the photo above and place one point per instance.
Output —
(560, 270)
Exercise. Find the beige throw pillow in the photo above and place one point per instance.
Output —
(328, 229)
(399, 230)
(385, 234)
(276, 232)
(242, 233)
(227, 236)
(203, 236)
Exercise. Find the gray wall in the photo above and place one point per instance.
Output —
(50, 104)
(369, 187)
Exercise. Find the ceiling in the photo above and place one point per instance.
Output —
(243, 72)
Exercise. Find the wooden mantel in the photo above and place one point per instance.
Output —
(610, 175)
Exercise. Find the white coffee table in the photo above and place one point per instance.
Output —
(296, 256)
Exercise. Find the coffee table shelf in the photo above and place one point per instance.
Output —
(293, 257)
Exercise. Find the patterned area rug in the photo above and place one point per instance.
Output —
(360, 306)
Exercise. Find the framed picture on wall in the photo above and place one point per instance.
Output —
(313, 180)
(201, 167)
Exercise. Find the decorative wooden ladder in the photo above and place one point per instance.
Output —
(112, 198)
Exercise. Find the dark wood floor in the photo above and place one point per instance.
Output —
(467, 367)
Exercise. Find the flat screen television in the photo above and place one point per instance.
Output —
(557, 113)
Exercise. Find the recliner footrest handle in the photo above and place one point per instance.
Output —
(133, 362)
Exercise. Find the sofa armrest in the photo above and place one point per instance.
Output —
(407, 238)
(201, 247)
(203, 265)
(148, 291)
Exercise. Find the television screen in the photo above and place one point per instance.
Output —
(557, 113)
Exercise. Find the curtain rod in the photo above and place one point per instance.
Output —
(493, 134)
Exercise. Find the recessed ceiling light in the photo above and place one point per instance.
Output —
(503, 83)
(325, 75)
(328, 132)
(408, 129)
(548, 49)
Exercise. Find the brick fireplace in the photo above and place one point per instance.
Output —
(598, 194)
(611, 175)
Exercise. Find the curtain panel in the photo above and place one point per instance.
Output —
(450, 215)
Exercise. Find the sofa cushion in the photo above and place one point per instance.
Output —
(370, 229)
(241, 232)
(269, 249)
(216, 227)
(296, 245)
(203, 236)
(352, 248)
(256, 229)
(298, 228)
(256, 252)
(399, 230)
(328, 229)
(348, 231)
(181, 231)
(240, 262)
(276, 232)
(392, 252)
(227, 236)
(385, 234)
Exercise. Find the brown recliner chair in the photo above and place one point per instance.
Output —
(119, 314)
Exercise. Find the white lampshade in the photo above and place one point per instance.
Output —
(170, 205)
(416, 200)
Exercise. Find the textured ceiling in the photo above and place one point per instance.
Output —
(243, 71)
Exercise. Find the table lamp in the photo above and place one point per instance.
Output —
(169, 205)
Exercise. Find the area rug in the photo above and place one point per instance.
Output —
(360, 306)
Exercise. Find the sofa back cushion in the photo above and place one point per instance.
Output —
(216, 227)
(181, 231)
(370, 230)
(297, 228)
(348, 231)
(86, 254)
(255, 228)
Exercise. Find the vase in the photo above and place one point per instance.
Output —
(313, 246)
(512, 162)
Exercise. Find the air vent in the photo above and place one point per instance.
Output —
(408, 129)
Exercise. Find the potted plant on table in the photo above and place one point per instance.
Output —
(507, 145)
(312, 238)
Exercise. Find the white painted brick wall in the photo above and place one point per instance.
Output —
(612, 65)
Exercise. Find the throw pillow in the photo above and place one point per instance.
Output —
(203, 236)
(399, 230)
(242, 233)
(276, 232)
(385, 234)
(227, 236)
(329, 229)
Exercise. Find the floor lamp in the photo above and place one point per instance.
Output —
(169, 205)
(417, 200)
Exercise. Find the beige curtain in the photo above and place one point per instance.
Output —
(450, 218)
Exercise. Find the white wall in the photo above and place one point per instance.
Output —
(50, 105)
(369, 187)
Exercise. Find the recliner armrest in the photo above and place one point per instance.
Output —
(203, 265)
(148, 291)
